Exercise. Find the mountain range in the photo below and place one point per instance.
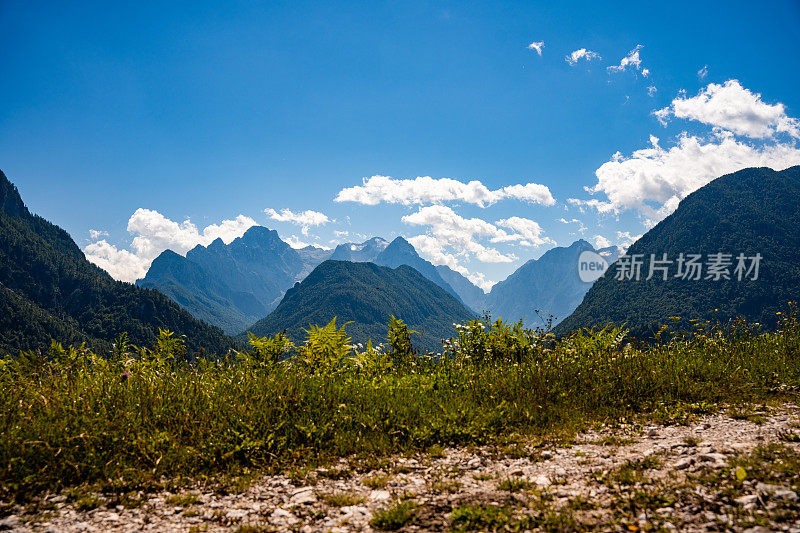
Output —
(48, 290)
(259, 283)
(366, 295)
(753, 212)
(232, 286)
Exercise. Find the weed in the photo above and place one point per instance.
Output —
(183, 500)
(341, 498)
(514, 484)
(394, 516)
(376, 481)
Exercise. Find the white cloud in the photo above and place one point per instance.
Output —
(530, 192)
(536, 46)
(448, 230)
(581, 53)
(121, 264)
(626, 239)
(630, 60)
(432, 249)
(600, 242)
(581, 227)
(734, 108)
(651, 91)
(529, 230)
(296, 243)
(703, 72)
(427, 190)
(653, 180)
(96, 234)
(154, 234)
(306, 218)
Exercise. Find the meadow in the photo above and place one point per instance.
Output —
(143, 415)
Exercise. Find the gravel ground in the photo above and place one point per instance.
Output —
(624, 478)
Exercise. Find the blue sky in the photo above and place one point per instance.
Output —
(212, 111)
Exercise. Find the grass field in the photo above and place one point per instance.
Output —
(143, 415)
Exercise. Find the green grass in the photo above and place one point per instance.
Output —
(376, 481)
(183, 500)
(341, 498)
(514, 485)
(69, 417)
(394, 516)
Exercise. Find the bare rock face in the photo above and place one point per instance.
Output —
(719, 474)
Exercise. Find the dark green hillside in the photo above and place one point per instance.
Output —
(755, 210)
(203, 295)
(366, 294)
(49, 289)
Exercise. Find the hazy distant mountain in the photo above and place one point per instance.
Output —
(550, 284)
(49, 290)
(311, 257)
(401, 252)
(366, 251)
(366, 294)
(472, 295)
(753, 211)
(232, 286)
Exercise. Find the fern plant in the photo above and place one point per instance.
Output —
(326, 348)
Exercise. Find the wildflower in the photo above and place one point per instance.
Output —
(124, 376)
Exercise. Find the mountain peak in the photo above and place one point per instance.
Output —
(10, 200)
(399, 244)
(581, 243)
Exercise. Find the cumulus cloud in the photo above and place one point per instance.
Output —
(305, 219)
(451, 238)
(96, 234)
(529, 231)
(449, 229)
(536, 46)
(631, 60)
(581, 53)
(600, 242)
(427, 190)
(432, 249)
(155, 233)
(653, 180)
(734, 108)
(121, 264)
(651, 91)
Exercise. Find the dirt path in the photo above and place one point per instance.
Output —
(702, 476)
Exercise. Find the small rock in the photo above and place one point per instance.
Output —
(474, 463)
(305, 497)
(749, 499)
(379, 495)
(684, 463)
(9, 522)
(542, 481)
(283, 516)
(785, 494)
(236, 514)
